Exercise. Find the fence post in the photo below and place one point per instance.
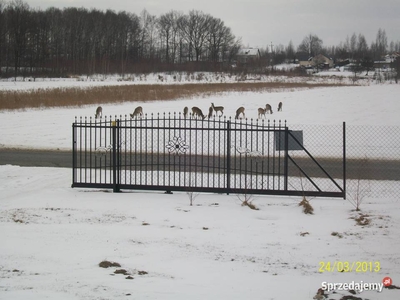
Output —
(115, 156)
(74, 152)
(286, 158)
(228, 157)
(344, 160)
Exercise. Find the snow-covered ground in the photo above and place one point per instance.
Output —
(54, 237)
(21, 84)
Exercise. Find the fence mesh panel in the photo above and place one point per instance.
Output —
(372, 156)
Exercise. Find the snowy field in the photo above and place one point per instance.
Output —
(54, 237)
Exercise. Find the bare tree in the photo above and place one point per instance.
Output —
(362, 46)
(290, 53)
(148, 26)
(381, 43)
(311, 44)
(353, 45)
(18, 17)
(195, 29)
(167, 27)
(3, 34)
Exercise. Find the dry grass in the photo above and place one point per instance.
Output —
(108, 264)
(307, 208)
(249, 204)
(335, 233)
(363, 220)
(76, 97)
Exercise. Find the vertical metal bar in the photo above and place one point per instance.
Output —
(209, 133)
(220, 175)
(158, 148)
(101, 157)
(202, 153)
(215, 156)
(74, 152)
(91, 150)
(279, 158)
(169, 156)
(286, 158)
(119, 152)
(164, 156)
(80, 151)
(95, 147)
(125, 151)
(228, 157)
(152, 150)
(175, 156)
(145, 150)
(141, 151)
(191, 151)
(273, 160)
(195, 153)
(177, 133)
(135, 152)
(85, 155)
(269, 146)
(262, 153)
(130, 151)
(344, 160)
(114, 155)
(245, 156)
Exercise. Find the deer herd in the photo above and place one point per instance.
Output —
(197, 112)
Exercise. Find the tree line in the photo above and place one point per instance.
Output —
(75, 41)
(355, 48)
(80, 41)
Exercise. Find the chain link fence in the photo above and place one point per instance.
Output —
(372, 156)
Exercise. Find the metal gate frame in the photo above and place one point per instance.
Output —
(108, 153)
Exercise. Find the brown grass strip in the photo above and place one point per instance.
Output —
(76, 96)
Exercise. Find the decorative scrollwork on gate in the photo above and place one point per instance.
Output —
(102, 151)
(247, 152)
(177, 146)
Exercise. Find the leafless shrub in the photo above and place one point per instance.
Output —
(246, 198)
(192, 195)
(361, 189)
(307, 208)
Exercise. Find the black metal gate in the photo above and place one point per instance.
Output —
(220, 155)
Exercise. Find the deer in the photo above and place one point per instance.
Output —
(217, 109)
(239, 111)
(261, 112)
(268, 108)
(197, 112)
(210, 112)
(185, 112)
(99, 111)
(280, 106)
(137, 112)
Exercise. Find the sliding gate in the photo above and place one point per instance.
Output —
(221, 155)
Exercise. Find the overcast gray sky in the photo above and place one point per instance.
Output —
(262, 22)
